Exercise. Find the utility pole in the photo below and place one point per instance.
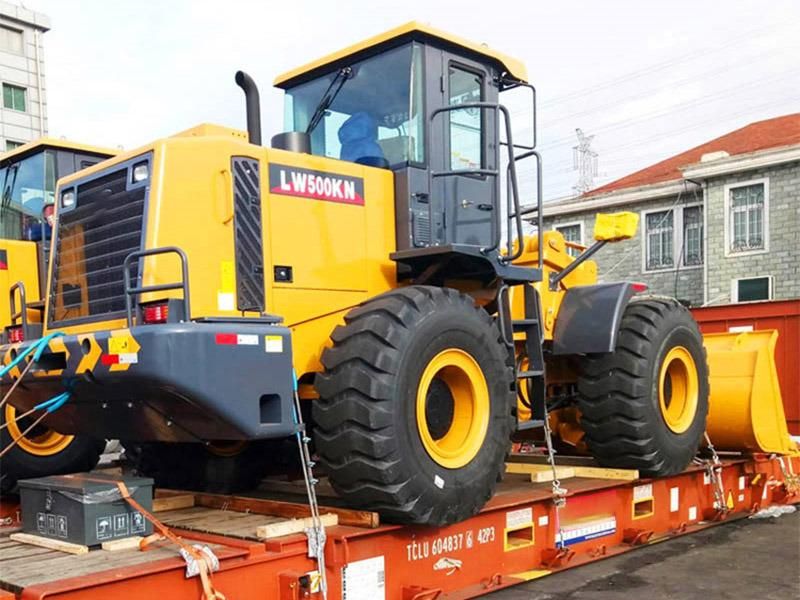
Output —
(585, 162)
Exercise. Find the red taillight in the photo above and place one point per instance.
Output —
(639, 287)
(15, 335)
(155, 313)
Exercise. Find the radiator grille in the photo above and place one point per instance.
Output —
(92, 242)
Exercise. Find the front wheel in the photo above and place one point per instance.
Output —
(415, 413)
(42, 452)
(644, 406)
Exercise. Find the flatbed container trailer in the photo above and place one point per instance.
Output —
(511, 541)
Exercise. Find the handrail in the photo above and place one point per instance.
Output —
(22, 314)
(183, 285)
(518, 216)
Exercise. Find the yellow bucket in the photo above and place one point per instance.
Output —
(745, 406)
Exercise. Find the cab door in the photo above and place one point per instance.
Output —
(469, 200)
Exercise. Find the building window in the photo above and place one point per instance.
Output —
(659, 236)
(751, 289)
(11, 145)
(14, 97)
(747, 220)
(572, 232)
(11, 40)
(692, 236)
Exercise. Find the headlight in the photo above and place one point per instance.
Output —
(68, 198)
(140, 172)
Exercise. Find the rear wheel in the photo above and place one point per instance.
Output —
(644, 406)
(42, 451)
(416, 406)
(221, 467)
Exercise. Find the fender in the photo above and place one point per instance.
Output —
(589, 318)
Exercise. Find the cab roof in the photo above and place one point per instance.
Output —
(393, 37)
(42, 143)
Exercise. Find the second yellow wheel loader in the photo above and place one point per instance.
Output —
(28, 176)
(197, 280)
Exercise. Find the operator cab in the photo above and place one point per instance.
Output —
(28, 176)
(425, 105)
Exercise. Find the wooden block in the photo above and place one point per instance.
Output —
(603, 473)
(128, 543)
(43, 542)
(262, 506)
(291, 526)
(540, 473)
(561, 460)
(173, 502)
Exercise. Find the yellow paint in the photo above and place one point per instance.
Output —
(43, 442)
(615, 227)
(678, 375)
(42, 143)
(464, 378)
(89, 360)
(120, 344)
(513, 66)
(227, 275)
(122, 339)
(530, 575)
(556, 258)
(23, 265)
(643, 508)
(745, 405)
(729, 502)
(514, 540)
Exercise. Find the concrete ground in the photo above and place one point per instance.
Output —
(746, 559)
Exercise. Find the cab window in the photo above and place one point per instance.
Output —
(466, 135)
(374, 111)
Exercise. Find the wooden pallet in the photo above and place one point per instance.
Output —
(247, 526)
(540, 471)
(275, 508)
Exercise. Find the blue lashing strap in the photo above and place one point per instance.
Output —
(38, 348)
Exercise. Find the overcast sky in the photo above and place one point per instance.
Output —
(647, 79)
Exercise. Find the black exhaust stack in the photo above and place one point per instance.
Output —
(253, 106)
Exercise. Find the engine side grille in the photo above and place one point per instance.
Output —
(248, 231)
(92, 242)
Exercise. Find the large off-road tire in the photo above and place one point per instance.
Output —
(415, 413)
(42, 452)
(644, 406)
(221, 467)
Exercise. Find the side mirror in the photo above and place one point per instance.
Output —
(615, 227)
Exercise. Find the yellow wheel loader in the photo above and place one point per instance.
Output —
(28, 176)
(203, 280)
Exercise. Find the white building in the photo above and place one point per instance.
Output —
(23, 112)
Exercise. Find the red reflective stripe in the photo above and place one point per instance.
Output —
(109, 359)
(226, 338)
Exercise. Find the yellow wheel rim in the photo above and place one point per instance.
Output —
(42, 441)
(226, 448)
(678, 389)
(454, 378)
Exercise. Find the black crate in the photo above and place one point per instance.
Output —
(84, 508)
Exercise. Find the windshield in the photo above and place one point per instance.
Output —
(376, 112)
(28, 185)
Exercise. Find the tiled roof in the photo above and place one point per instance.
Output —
(761, 135)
